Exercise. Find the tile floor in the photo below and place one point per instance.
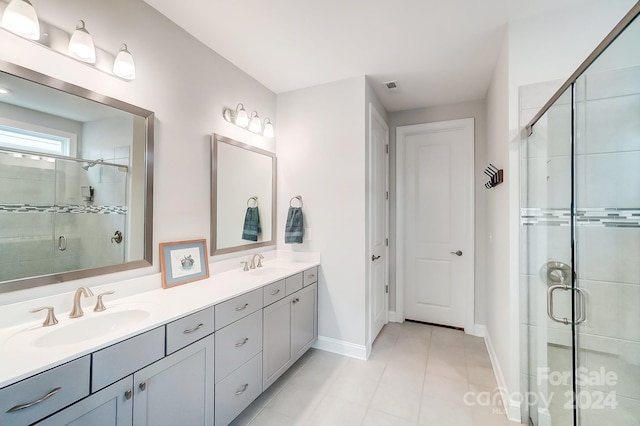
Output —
(417, 375)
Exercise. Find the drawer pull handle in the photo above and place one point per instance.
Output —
(191, 330)
(296, 300)
(37, 401)
(143, 386)
(273, 293)
(311, 275)
(244, 388)
(240, 308)
(128, 394)
(244, 342)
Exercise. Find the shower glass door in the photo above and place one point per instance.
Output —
(546, 231)
(580, 232)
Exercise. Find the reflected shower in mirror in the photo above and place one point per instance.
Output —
(243, 195)
(75, 182)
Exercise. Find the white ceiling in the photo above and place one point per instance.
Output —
(440, 51)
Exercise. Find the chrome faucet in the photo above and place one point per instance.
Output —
(253, 261)
(77, 312)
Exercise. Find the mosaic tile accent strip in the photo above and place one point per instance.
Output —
(609, 217)
(65, 208)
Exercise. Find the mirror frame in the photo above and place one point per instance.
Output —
(59, 277)
(214, 250)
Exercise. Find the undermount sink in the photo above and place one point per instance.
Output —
(269, 270)
(81, 329)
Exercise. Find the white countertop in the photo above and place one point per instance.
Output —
(20, 358)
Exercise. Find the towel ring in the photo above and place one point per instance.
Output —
(255, 200)
(297, 197)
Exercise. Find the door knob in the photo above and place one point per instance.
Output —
(457, 253)
(374, 257)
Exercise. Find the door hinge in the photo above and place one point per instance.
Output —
(386, 242)
(386, 288)
(386, 148)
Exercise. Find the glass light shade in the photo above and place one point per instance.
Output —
(255, 125)
(123, 66)
(81, 44)
(268, 129)
(242, 119)
(20, 17)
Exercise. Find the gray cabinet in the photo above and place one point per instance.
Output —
(178, 389)
(112, 406)
(290, 327)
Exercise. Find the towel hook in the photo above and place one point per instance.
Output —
(297, 197)
(255, 200)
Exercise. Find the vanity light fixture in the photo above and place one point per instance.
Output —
(255, 125)
(240, 118)
(123, 66)
(267, 131)
(81, 44)
(20, 17)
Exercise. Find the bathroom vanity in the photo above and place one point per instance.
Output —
(192, 355)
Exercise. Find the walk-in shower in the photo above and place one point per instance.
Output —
(580, 242)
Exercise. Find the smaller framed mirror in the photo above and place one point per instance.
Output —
(243, 196)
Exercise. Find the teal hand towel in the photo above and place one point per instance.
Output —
(251, 227)
(293, 230)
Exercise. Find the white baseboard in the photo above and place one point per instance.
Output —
(511, 406)
(341, 347)
(394, 317)
(478, 330)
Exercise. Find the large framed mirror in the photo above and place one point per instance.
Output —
(76, 182)
(243, 196)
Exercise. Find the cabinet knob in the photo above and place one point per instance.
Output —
(296, 300)
(143, 386)
(128, 394)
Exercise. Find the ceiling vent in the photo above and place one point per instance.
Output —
(391, 85)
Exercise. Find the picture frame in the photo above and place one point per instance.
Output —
(182, 262)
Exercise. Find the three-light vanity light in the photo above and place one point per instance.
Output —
(240, 118)
(20, 18)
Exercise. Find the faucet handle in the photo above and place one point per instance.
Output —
(99, 305)
(51, 317)
(246, 265)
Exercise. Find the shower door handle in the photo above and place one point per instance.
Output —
(580, 304)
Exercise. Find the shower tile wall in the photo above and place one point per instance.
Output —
(38, 196)
(607, 167)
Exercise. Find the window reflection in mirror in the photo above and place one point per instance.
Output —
(243, 177)
(75, 183)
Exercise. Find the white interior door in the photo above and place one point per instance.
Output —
(378, 223)
(435, 218)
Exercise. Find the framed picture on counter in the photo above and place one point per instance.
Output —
(182, 262)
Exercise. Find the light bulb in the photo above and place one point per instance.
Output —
(255, 125)
(268, 129)
(242, 119)
(123, 66)
(81, 44)
(20, 17)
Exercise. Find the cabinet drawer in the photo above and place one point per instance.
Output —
(65, 385)
(310, 276)
(273, 292)
(237, 344)
(235, 392)
(293, 283)
(187, 330)
(238, 307)
(113, 363)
